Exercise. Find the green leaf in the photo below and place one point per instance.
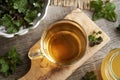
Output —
(97, 15)
(96, 4)
(7, 21)
(17, 13)
(103, 10)
(21, 5)
(99, 40)
(94, 39)
(4, 67)
(12, 53)
(2, 60)
(111, 16)
(30, 16)
(9, 63)
(11, 30)
(14, 56)
(18, 23)
(91, 38)
(110, 6)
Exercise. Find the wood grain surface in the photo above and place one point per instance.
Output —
(23, 43)
(42, 69)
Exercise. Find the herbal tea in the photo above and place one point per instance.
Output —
(64, 46)
(64, 43)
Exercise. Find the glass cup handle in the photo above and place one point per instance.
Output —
(35, 55)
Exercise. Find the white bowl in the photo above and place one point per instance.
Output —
(36, 22)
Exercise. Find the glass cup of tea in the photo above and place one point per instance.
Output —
(64, 42)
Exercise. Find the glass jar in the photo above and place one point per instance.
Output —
(111, 66)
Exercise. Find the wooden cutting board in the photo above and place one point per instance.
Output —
(42, 69)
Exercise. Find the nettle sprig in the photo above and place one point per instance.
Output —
(9, 62)
(103, 10)
(94, 38)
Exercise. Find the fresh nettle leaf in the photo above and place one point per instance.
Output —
(103, 10)
(11, 30)
(111, 16)
(7, 21)
(14, 56)
(18, 22)
(30, 16)
(97, 16)
(110, 7)
(9, 62)
(94, 39)
(89, 76)
(21, 5)
(17, 13)
(97, 5)
(4, 67)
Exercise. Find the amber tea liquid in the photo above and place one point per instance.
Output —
(64, 43)
(63, 46)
